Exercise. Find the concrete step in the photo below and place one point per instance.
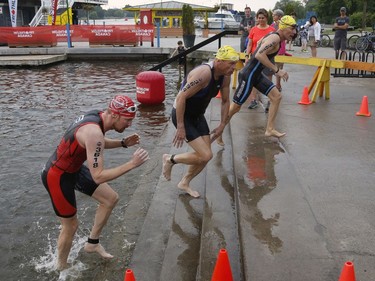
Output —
(219, 222)
(181, 236)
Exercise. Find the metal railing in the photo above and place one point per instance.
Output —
(47, 5)
(194, 48)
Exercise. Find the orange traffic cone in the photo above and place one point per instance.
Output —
(129, 276)
(364, 108)
(222, 271)
(218, 96)
(347, 273)
(305, 97)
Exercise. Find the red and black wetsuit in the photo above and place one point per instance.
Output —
(65, 172)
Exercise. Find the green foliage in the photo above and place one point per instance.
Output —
(356, 19)
(188, 27)
(289, 6)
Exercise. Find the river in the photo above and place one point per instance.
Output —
(36, 106)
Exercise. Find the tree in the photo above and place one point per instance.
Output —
(188, 27)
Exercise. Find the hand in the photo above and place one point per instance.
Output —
(282, 74)
(132, 140)
(217, 132)
(139, 157)
(179, 137)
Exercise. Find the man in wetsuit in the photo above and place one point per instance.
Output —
(199, 87)
(64, 172)
(251, 75)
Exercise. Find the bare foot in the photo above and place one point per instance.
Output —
(220, 141)
(62, 266)
(274, 133)
(97, 248)
(188, 190)
(167, 166)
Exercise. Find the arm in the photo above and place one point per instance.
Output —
(225, 102)
(249, 46)
(91, 138)
(242, 25)
(268, 46)
(197, 80)
(317, 29)
(128, 141)
(174, 52)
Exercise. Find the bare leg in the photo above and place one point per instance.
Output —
(192, 172)
(313, 52)
(197, 161)
(167, 166)
(107, 199)
(234, 108)
(64, 243)
(275, 98)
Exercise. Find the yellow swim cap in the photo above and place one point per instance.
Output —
(227, 53)
(287, 21)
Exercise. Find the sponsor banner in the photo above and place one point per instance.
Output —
(13, 12)
(95, 34)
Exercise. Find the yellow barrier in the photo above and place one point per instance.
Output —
(322, 75)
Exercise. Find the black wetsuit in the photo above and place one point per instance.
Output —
(194, 120)
(65, 172)
(251, 76)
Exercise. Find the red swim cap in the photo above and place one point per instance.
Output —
(123, 105)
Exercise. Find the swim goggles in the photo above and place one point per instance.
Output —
(121, 108)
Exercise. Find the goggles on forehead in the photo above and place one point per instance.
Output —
(294, 26)
(121, 108)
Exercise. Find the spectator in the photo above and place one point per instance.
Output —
(246, 24)
(341, 30)
(303, 34)
(314, 34)
(182, 60)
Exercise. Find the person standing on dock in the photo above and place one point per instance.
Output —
(198, 88)
(247, 22)
(64, 172)
(341, 31)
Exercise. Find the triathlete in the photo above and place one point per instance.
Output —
(201, 85)
(64, 172)
(251, 75)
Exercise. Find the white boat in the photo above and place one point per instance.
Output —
(221, 19)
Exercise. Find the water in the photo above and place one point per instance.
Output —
(36, 106)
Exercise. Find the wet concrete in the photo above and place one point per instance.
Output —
(305, 202)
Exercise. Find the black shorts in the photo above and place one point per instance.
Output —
(195, 126)
(251, 76)
(61, 185)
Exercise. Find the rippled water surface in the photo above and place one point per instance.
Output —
(36, 106)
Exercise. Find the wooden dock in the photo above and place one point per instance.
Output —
(31, 60)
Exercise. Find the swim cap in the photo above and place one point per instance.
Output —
(287, 21)
(227, 53)
(123, 105)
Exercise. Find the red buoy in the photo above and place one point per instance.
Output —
(150, 87)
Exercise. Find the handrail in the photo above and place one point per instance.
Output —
(47, 4)
(194, 48)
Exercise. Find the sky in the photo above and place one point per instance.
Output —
(238, 5)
